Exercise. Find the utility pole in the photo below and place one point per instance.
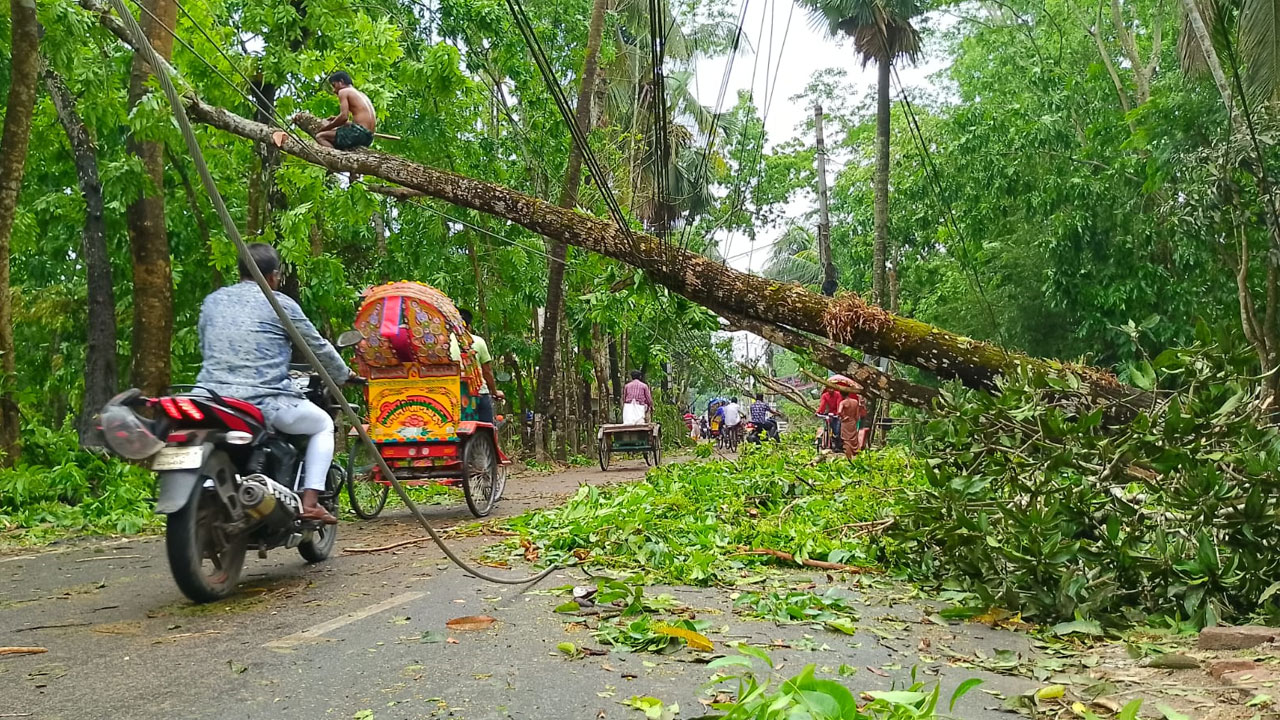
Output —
(824, 220)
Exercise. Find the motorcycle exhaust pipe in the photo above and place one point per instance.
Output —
(265, 500)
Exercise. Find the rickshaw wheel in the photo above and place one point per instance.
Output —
(603, 451)
(367, 495)
(480, 471)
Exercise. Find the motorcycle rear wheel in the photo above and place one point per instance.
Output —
(318, 545)
(205, 562)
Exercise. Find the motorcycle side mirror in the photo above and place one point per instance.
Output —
(350, 338)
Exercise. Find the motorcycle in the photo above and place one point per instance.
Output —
(227, 482)
(758, 433)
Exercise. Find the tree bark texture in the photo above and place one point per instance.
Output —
(880, 199)
(148, 238)
(23, 76)
(100, 355)
(846, 319)
(558, 250)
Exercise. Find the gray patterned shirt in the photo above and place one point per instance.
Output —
(247, 351)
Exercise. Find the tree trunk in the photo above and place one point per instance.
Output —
(262, 179)
(558, 250)
(1205, 42)
(100, 355)
(880, 255)
(846, 319)
(23, 75)
(615, 372)
(148, 239)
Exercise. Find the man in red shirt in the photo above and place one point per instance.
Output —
(829, 409)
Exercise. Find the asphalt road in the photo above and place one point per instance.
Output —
(365, 636)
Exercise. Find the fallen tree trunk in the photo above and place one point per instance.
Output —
(846, 319)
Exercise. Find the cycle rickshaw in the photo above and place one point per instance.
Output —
(416, 353)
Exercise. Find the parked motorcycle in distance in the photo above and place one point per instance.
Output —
(226, 482)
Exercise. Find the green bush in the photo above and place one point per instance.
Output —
(59, 488)
(1040, 508)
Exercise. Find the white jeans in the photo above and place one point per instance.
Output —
(306, 418)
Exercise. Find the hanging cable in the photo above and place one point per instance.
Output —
(160, 67)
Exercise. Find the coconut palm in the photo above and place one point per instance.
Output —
(794, 258)
(882, 33)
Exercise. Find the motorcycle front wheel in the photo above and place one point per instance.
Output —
(205, 560)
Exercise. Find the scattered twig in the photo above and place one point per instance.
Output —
(179, 636)
(22, 650)
(72, 623)
(872, 529)
(808, 562)
(107, 557)
(384, 548)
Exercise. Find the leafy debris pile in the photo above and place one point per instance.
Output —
(697, 523)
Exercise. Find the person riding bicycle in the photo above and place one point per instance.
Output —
(829, 410)
(246, 354)
(732, 416)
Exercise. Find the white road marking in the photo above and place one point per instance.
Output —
(314, 632)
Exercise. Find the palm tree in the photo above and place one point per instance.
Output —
(881, 32)
(794, 258)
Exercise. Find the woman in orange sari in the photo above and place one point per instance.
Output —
(852, 411)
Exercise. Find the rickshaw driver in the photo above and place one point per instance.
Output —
(489, 386)
(246, 354)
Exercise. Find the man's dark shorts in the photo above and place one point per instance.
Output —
(351, 136)
(484, 408)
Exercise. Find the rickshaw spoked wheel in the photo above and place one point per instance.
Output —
(603, 451)
(367, 495)
(480, 473)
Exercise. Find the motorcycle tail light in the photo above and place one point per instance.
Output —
(170, 408)
(189, 409)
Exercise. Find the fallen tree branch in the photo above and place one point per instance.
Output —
(778, 388)
(809, 562)
(824, 353)
(22, 650)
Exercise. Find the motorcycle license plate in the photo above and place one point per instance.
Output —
(178, 458)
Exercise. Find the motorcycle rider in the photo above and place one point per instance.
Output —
(760, 416)
(246, 355)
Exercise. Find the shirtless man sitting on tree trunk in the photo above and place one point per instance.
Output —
(354, 124)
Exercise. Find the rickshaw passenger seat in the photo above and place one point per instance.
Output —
(394, 331)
